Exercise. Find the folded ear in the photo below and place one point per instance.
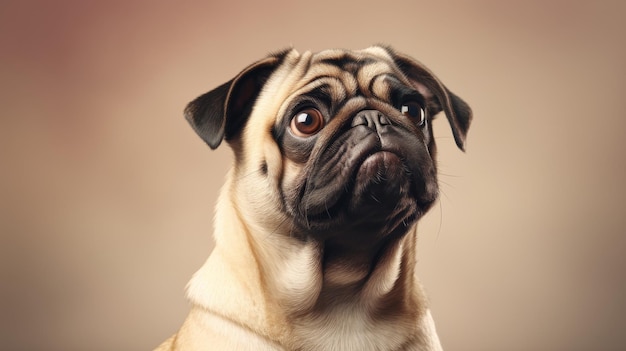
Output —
(222, 112)
(458, 112)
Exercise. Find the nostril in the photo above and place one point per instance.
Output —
(359, 120)
(371, 118)
(382, 119)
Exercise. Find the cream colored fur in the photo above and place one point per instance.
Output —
(262, 289)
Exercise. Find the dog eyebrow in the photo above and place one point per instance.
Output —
(321, 93)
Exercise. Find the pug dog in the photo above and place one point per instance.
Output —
(315, 227)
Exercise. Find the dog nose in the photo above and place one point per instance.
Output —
(373, 119)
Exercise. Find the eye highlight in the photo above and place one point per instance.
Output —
(307, 122)
(414, 110)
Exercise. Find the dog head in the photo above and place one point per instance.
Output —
(335, 146)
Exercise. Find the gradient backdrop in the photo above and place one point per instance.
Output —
(107, 195)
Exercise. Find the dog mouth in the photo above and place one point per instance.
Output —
(376, 166)
(372, 188)
(382, 174)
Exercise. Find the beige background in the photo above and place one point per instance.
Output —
(107, 194)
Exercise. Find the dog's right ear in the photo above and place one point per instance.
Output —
(457, 111)
(222, 112)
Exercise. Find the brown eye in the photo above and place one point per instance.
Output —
(414, 111)
(307, 122)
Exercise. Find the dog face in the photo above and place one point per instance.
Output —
(336, 146)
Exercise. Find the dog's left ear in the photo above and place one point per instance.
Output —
(221, 113)
(457, 111)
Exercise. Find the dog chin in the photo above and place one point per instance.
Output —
(382, 178)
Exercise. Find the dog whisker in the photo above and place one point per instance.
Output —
(449, 185)
(440, 220)
(449, 175)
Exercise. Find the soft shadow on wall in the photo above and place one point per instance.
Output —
(107, 194)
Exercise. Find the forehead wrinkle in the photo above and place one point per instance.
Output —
(368, 78)
(380, 87)
(369, 72)
(350, 82)
(323, 62)
(320, 70)
(317, 70)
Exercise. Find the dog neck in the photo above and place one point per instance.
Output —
(265, 280)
